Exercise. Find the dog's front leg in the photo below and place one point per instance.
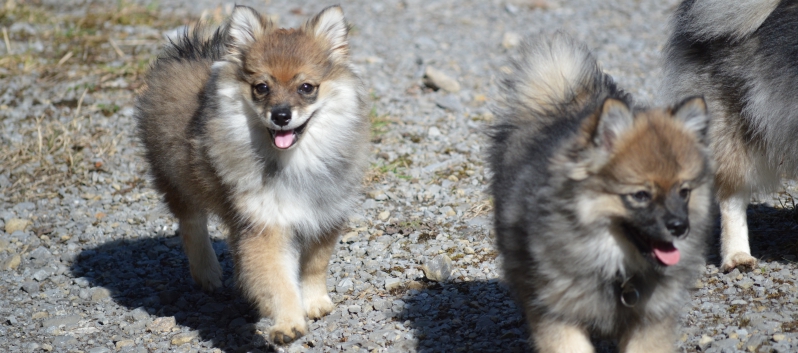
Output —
(268, 273)
(315, 259)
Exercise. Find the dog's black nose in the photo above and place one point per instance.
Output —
(677, 227)
(281, 115)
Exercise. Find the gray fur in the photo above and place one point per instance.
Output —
(745, 66)
(747, 71)
(549, 158)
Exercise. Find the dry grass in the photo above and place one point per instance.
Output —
(85, 54)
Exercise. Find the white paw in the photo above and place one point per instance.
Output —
(740, 260)
(317, 307)
(287, 330)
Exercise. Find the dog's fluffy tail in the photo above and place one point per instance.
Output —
(704, 20)
(553, 76)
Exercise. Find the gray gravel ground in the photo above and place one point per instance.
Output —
(89, 258)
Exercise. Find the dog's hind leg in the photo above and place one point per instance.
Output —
(202, 261)
(734, 248)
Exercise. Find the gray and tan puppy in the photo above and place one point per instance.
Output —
(602, 208)
(266, 128)
(742, 56)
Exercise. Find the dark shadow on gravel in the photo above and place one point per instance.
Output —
(772, 234)
(152, 274)
(477, 316)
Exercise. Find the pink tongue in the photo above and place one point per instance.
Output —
(666, 254)
(284, 139)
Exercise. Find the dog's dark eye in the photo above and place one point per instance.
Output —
(262, 88)
(684, 193)
(642, 196)
(306, 88)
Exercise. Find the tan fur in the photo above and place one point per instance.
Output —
(649, 338)
(560, 337)
(265, 276)
(210, 141)
(314, 260)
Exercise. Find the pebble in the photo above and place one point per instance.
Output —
(392, 283)
(704, 342)
(162, 324)
(183, 338)
(99, 293)
(449, 102)
(437, 79)
(16, 224)
(438, 269)
(511, 40)
(12, 262)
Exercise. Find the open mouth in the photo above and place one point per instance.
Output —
(663, 252)
(285, 139)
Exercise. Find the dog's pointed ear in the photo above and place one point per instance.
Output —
(330, 27)
(615, 118)
(693, 113)
(245, 26)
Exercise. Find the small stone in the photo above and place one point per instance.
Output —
(40, 315)
(433, 132)
(438, 269)
(30, 287)
(183, 338)
(12, 262)
(369, 204)
(469, 250)
(68, 321)
(162, 324)
(436, 79)
(384, 215)
(378, 195)
(704, 342)
(449, 102)
(124, 343)
(344, 286)
(41, 274)
(392, 283)
(348, 237)
(511, 40)
(354, 309)
(15, 224)
(754, 342)
(415, 285)
(99, 293)
(698, 284)
(779, 337)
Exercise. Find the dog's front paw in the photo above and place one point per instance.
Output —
(739, 260)
(208, 275)
(317, 307)
(287, 331)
